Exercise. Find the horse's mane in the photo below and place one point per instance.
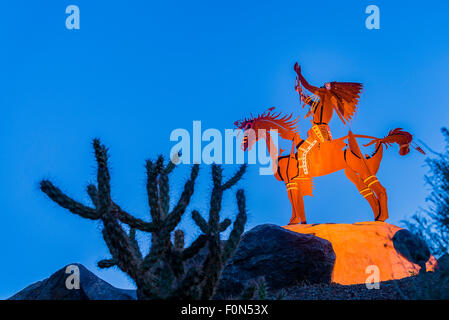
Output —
(270, 120)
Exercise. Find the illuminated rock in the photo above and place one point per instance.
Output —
(395, 251)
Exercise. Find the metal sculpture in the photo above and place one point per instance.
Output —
(319, 154)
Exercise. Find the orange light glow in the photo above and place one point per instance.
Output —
(360, 245)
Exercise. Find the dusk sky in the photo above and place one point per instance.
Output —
(137, 70)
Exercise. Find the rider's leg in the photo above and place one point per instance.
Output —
(297, 202)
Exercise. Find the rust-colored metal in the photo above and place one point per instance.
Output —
(319, 154)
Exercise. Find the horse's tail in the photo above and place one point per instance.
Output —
(403, 138)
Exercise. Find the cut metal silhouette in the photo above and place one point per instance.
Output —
(319, 154)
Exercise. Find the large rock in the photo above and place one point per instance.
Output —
(396, 252)
(91, 288)
(282, 257)
(411, 247)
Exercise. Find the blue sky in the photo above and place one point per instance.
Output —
(135, 72)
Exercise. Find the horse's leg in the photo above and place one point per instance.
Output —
(381, 194)
(364, 191)
(357, 162)
(373, 183)
(297, 201)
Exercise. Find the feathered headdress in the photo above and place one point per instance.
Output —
(344, 97)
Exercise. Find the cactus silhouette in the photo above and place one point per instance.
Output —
(164, 272)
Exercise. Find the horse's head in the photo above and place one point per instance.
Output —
(250, 132)
(256, 128)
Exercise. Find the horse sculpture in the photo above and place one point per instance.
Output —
(319, 154)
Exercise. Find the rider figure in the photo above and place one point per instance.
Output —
(341, 96)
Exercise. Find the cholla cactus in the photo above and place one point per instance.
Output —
(163, 272)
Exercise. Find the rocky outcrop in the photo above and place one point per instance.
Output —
(91, 288)
(298, 258)
(282, 257)
(362, 247)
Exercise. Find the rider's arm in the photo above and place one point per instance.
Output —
(306, 85)
(308, 100)
(304, 98)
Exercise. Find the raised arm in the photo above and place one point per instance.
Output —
(304, 98)
(303, 81)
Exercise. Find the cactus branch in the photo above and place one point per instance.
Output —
(200, 222)
(179, 239)
(103, 178)
(164, 194)
(152, 191)
(238, 227)
(175, 216)
(224, 225)
(195, 247)
(235, 178)
(55, 194)
(106, 263)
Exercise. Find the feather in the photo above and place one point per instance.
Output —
(345, 97)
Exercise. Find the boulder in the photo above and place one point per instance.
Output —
(396, 252)
(91, 288)
(284, 258)
(411, 247)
